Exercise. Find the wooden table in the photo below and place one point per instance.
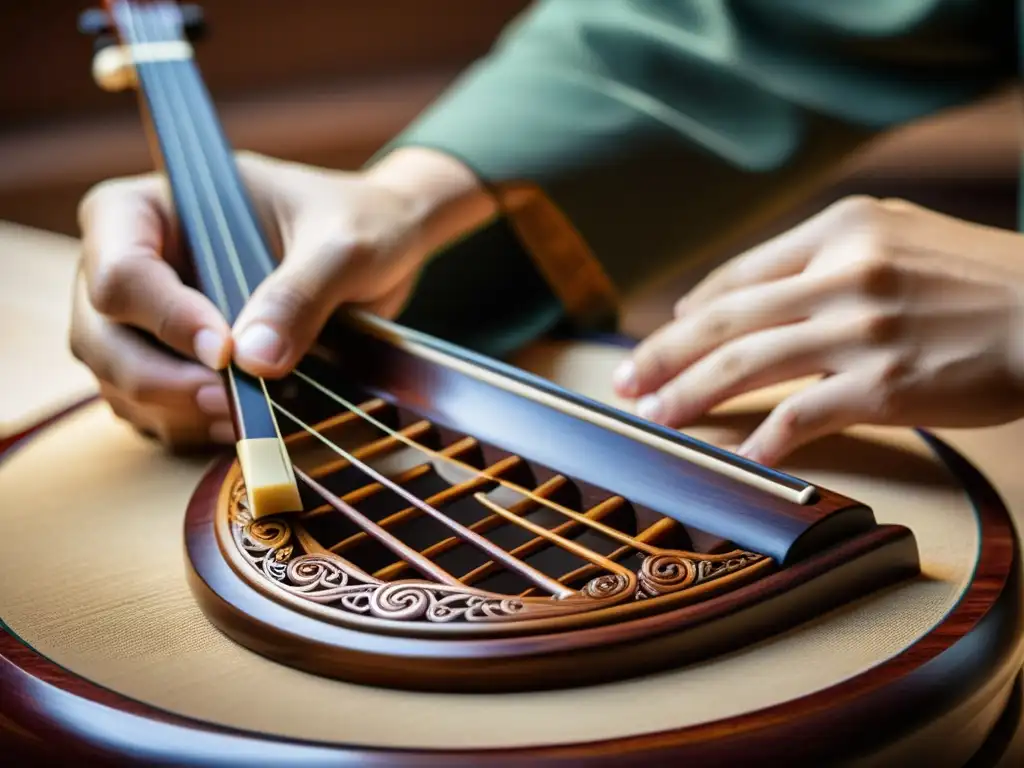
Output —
(38, 375)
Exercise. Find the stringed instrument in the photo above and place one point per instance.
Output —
(417, 555)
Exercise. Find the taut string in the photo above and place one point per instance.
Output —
(193, 136)
(492, 549)
(554, 505)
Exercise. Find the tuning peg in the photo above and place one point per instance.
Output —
(95, 21)
(193, 21)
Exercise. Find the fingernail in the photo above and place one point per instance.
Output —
(624, 378)
(649, 407)
(209, 348)
(212, 400)
(748, 451)
(222, 432)
(262, 344)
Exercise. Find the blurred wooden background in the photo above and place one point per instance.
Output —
(329, 81)
(321, 81)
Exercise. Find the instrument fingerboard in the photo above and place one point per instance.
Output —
(229, 248)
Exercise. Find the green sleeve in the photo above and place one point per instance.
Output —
(658, 127)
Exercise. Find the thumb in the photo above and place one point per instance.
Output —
(287, 311)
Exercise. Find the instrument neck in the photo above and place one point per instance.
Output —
(229, 248)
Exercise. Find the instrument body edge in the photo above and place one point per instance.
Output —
(48, 712)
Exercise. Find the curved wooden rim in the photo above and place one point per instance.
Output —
(972, 654)
(207, 516)
(276, 629)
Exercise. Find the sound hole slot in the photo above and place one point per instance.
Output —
(539, 543)
(347, 430)
(438, 503)
(378, 449)
(534, 537)
(446, 496)
(422, 564)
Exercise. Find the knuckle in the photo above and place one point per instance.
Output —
(879, 328)
(855, 209)
(291, 298)
(876, 277)
(896, 372)
(249, 157)
(897, 205)
(887, 388)
(790, 420)
(348, 249)
(653, 364)
(171, 319)
(716, 322)
(105, 192)
(137, 386)
(137, 389)
(109, 287)
(731, 364)
(99, 193)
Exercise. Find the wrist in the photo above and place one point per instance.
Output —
(445, 198)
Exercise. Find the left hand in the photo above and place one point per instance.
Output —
(911, 317)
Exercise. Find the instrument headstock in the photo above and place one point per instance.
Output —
(127, 31)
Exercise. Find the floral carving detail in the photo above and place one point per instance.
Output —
(606, 586)
(281, 553)
(669, 572)
(270, 544)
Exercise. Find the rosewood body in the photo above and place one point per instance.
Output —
(50, 716)
(752, 518)
(628, 646)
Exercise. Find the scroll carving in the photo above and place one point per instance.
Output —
(668, 572)
(288, 556)
(270, 545)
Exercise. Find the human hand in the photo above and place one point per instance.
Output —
(347, 238)
(910, 316)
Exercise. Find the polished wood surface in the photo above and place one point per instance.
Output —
(968, 661)
(630, 642)
(59, 710)
(742, 513)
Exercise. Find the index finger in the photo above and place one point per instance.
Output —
(781, 256)
(128, 239)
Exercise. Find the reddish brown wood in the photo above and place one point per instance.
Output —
(634, 644)
(753, 519)
(976, 650)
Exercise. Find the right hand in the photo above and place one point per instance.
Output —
(347, 238)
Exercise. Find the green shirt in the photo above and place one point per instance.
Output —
(658, 127)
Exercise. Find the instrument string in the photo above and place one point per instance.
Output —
(176, 99)
(170, 94)
(492, 549)
(452, 460)
(139, 30)
(191, 199)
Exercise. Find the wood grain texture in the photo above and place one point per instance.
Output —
(633, 644)
(753, 518)
(971, 657)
